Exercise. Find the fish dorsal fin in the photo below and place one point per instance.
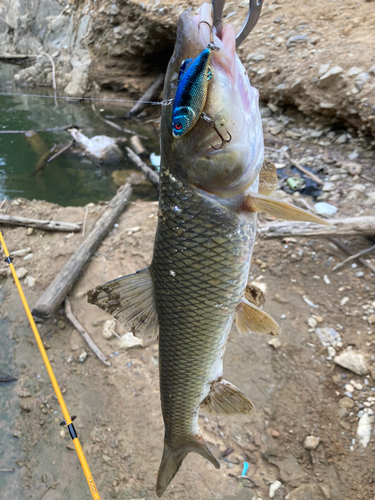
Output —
(226, 399)
(184, 66)
(251, 319)
(268, 181)
(254, 295)
(255, 202)
(130, 299)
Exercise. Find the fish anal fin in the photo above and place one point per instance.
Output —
(254, 295)
(255, 202)
(226, 399)
(251, 319)
(130, 299)
(268, 181)
(173, 458)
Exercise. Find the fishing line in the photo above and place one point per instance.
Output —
(67, 419)
(153, 103)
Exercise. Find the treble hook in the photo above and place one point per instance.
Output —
(211, 45)
(255, 7)
(213, 125)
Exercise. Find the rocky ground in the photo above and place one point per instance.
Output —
(312, 436)
(318, 57)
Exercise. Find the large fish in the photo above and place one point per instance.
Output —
(196, 285)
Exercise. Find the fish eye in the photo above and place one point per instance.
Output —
(178, 126)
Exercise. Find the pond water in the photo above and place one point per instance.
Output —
(71, 179)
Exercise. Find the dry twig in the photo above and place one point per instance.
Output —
(77, 325)
(343, 247)
(147, 171)
(304, 170)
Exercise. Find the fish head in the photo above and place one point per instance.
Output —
(198, 156)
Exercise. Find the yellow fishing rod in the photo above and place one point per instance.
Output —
(67, 419)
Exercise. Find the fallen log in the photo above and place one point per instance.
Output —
(350, 226)
(46, 225)
(77, 325)
(147, 171)
(64, 282)
(150, 95)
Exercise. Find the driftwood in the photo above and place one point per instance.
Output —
(61, 151)
(110, 123)
(343, 247)
(138, 147)
(351, 226)
(43, 160)
(64, 282)
(150, 95)
(147, 171)
(47, 225)
(77, 325)
(353, 257)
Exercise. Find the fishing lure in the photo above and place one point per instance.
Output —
(191, 95)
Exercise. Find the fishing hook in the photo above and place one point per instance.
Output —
(255, 7)
(211, 45)
(213, 125)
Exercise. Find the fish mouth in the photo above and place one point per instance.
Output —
(199, 156)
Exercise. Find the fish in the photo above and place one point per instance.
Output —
(196, 285)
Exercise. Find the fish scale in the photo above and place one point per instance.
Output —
(193, 321)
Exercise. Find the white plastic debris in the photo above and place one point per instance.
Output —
(155, 160)
(364, 429)
(82, 357)
(309, 302)
(328, 336)
(352, 360)
(325, 208)
(103, 148)
(273, 488)
(128, 340)
(109, 328)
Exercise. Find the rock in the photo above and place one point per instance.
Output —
(275, 342)
(274, 433)
(21, 272)
(312, 322)
(353, 71)
(61, 324)
(330, 76)
(323, 68)
(307, 492)
(17, 434)
(361, 79)
(26, 405)
(82, 357)
(346, 402)
(256, 57)
(109, 329)
(352, 360)
(328, 186)
(364, 429)
(331, 351)
(371, 319)
(358, 187)
(344, 301)
(30, 281)
(297, 39)
(372, 70)
(311, 442)
(101, 147)
(20, 253)
(273, 488)
(29, 256)
(29, 231)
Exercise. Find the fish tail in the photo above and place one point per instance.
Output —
(173, 458)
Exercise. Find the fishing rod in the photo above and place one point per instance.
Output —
(67, 419)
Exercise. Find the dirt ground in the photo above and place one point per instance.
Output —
(296, 387)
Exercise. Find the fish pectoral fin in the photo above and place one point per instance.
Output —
(256, 202)
(268, 180)
(254, 295)
(251, 319)
(173, 458)
(130, 299)
(226, 399)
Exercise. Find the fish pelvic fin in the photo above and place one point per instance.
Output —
(255, 202)
(251, 319)
(268, 181)
(226, 399)
(254, 295)
(173, 458)
(130, 299)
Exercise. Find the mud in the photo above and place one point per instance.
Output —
(296, 387)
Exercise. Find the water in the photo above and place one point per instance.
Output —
(71, 179)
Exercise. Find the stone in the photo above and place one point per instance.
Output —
(364, 429)
(29, 256)
(361, 79)
(328, 186)
(353, 71)
(275, 342)
(297, 39)
(101, 147)
(20, 253)
(30, 231)
(352, 360)
(256, 57)
(273, 488)
(358, 187)
(26, 405)
(30, 281)
(109, 329)
(275, 433)
(61, 324)
(82, 357)
(331, 351)
(323, 68)
(17, 434)
(371, 319)
(311, 442)
(372, 70)
(307, 492)
(21, 272)
(346, 403)
(312, 322)
(330, 76)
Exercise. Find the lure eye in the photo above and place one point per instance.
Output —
(178, 126)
